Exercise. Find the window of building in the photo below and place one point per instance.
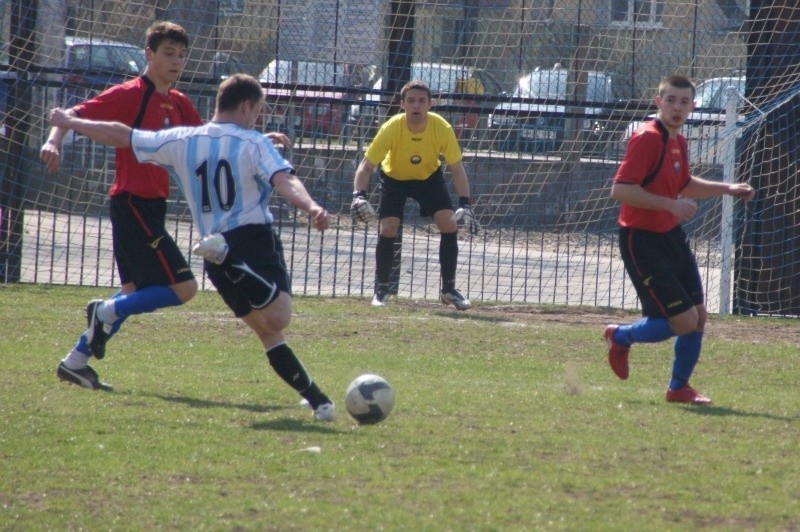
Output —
(735, 12)
(637, 12)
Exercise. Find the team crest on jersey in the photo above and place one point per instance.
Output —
(676, 167)
(166, 122)
(415, 159)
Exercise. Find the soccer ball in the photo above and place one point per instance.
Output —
(369, 399)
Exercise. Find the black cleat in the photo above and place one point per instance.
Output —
(84, 377)
(96, 333)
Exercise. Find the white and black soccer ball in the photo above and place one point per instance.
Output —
(369, 399)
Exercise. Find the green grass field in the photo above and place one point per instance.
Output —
(507, 418)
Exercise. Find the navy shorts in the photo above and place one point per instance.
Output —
(145, 253)
(259, 247)
(663, 271)
(430, 193)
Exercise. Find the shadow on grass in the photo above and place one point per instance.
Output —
(204, 403)
(283, 424)
(461, 314)
(294, 425)
(712, 410)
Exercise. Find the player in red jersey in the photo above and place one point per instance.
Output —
(657, 194)
(153, 271)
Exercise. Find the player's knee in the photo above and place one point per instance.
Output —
(447, 226)
(278, 314)
(185, 290)
(279, 321)
(702, 316)
(685, 323)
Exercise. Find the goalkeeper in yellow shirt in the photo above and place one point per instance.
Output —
(407, 149)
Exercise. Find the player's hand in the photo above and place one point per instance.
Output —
(320, 218)
(684, 208)
(59, 118)
(467, 215)
(279, 138)
(742, 190)
(50, 155)
(361, 209)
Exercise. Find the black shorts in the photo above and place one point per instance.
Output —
(145, 253)
(430, 193)
(260, 248)
(663, 271)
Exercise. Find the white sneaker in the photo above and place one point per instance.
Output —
(380, 299)
(454, 297)
(325, 412)
(212, 248)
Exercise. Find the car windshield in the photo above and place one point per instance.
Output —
(712, 94)
(543, 84)
(99, 56)
(552, 84)
(439, 78)
(598, 88)
(316, 73)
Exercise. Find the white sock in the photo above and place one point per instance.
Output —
(76, 360)
(106, 311)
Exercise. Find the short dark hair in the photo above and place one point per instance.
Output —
(163, 31)
(678, 81)
(415, 84)
(237, 89)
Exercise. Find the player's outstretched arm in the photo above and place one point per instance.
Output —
(293, 191)
(702, 188)
(114, 134)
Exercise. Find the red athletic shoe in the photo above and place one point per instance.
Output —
(687, 394)
(617, 353)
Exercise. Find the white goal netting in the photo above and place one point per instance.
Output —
(542, 94)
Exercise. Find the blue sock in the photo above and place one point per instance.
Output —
(687, 353)
(145, 300)
(82, 346)
(646, 330)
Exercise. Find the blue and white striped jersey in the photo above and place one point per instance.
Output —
(224, 171)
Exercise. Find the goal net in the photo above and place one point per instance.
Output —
(542, 94)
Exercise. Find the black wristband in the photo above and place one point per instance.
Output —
(464, 201)
(360, 194)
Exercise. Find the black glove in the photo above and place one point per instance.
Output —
(361, 209)
(466, 214)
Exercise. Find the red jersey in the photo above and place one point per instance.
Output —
(137, 104)
(641, 157)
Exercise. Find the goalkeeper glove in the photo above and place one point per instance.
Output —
(466, 214)
(360, 209)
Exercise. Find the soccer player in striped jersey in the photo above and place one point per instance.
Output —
(227, 170)
(657, 194)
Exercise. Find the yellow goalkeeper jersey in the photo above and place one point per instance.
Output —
(408, 156)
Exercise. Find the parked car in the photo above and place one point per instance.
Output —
(322, 112)
(94, 64)
(540, 127)
(703, 127)
(90, 65)
(442, 78)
